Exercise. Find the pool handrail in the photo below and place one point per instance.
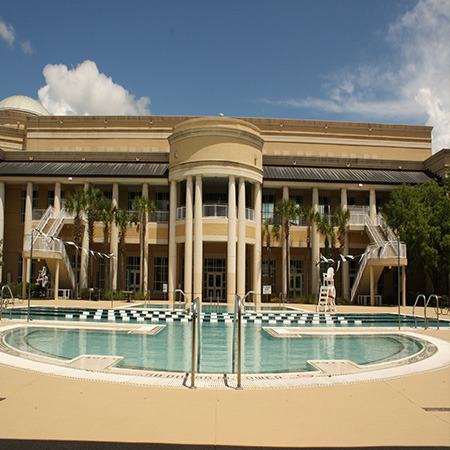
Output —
(8, 288)
(186, 300)
(437, 304)
(419, 296)
(237, 320)
(245, 296)
(195, 341)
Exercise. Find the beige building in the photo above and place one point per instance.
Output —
(214, 180)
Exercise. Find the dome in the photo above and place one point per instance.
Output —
(24, 104)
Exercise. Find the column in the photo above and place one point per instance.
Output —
(231, 242)
(373, 205)
(26, 264)
(345, 264)
(114, 248)
(56, 279)
(372, 286)
(257, 248)
(403, 276)
(172, 269)
(57, 199)
(198, 239)
(284, 274)
(188, 230)
(315, 246)
(144, 250)
(240, 276)
(2, 223)
(84, 252)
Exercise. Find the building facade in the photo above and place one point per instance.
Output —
(214, 181)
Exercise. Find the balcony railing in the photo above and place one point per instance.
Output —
(215, 210)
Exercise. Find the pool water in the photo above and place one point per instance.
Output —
(170, 349)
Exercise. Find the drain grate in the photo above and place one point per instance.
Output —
(437, 409)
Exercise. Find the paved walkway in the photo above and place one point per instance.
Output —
(409, 411)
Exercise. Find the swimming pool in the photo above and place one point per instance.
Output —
(169, 349)
(272, 318)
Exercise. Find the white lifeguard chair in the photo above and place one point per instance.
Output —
(327, 293)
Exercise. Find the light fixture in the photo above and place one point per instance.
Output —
(70, 178)
(360, 185)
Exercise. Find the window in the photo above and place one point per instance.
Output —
(160, 272)
(108, 195)
(298, 199)
(273, 275)
(131, 198)
(268, 207)
(23, 201)
(324, 204)
(50, 197)
(162, 201)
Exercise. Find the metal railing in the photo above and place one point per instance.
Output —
(6, 288)
(215, 210)
(424, 306)
(63, 214)
(181, 213)
(237, 337)
(186, 300)
(46, 216)
(195, 341)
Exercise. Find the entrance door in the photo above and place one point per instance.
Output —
(296, 286)
(214, 286)
(133, 273)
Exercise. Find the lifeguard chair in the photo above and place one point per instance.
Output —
(327, 293)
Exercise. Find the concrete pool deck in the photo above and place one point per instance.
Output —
(408, 411)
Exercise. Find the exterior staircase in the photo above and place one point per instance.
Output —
(49, 249)
(384, 250)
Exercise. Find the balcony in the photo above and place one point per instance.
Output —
(215, 210)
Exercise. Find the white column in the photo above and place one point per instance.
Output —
(188, 229)
(372, 286)
(257, 249)
(240, 276)
(372, 205)
(56, 279)
(231, 243)
(283, 249)
(2, 223)
(315, 245)
(57, 199)
(198, 239)
(26, 265)
(145, 262)
(172, 269)
(114, 260)
(84, 276)
(345, 264)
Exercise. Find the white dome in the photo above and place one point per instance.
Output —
(24, 104)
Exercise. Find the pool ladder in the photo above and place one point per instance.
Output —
(195, 361)
(425, 304)
(4, 301)
(237, 339)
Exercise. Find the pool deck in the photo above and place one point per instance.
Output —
(408, 411)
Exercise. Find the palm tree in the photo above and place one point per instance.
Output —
(341, 219)
(107, 214)
(268, 230)
(93, 197)
(308, 214)
(143, 206)
(75, 204)
(288, 212)
(122, 220)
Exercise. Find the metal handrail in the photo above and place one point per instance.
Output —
(245, 296)
(195, 341)
(186, 300)
(437, 307)
(237, 329)
(414, 308)
(5, 287)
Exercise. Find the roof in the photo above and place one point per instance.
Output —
(335, 175)
(24, 104)
(83, 169)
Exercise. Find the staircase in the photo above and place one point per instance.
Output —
(384, 250)
(51, 250)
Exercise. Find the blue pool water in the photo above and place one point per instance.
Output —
(170, 349)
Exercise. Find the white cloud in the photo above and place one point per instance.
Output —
(7, 32)
(27, 48)
(83, 90)
(413, 86)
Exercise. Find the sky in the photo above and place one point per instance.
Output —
(375, 61)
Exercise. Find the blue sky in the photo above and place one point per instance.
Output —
(351, 60)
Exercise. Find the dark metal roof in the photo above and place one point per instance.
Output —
(334, 175)
(83, 169)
